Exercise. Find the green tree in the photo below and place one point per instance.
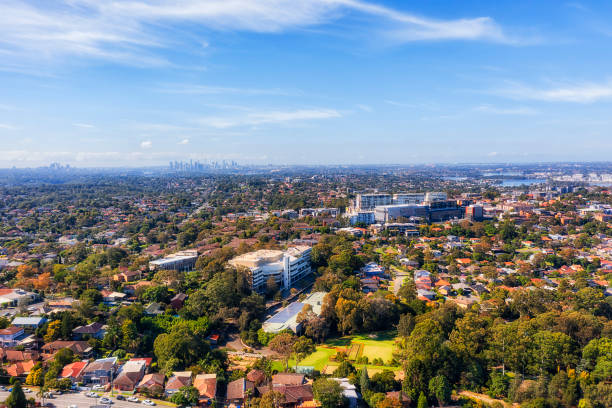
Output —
(283, 344)
(364, 380)
(405, 325)
(328, 392)
(272, 399)
(422, 402)
(553, 350)
(439, 387)
(179, 348)
(186, 396)
(17, 398)
(302, 348)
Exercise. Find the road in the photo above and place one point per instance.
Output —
(78, 399)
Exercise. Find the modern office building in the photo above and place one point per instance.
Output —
(316, 212)
(432, 196)
(444, 211)
(360, 217)
(408, 198)
(474, 212)
(388, 213)
(369, 201)
(286, 267)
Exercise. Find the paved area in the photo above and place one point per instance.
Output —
(78, 399)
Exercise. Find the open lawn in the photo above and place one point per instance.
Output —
(377, 345)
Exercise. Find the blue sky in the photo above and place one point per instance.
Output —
(139, 83)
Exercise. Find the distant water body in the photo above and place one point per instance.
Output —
(504, 183)
(521, 182)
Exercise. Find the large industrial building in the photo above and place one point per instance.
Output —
(286, 267)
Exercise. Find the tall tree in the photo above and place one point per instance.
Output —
(328, 392)
(439, 387)
(17, 398)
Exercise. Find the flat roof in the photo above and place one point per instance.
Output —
(287, 313)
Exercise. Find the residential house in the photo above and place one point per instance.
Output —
(288, 379)
(154, 309)
(206, 384)
(127, 276)
(74, 370)
(178, 380)
(178, 301)
(10, 336)
(349, 391)
(295, 395)
(20, 369)
(129, 375)
(19, 355)
(13, 297)
(149, 381)
(29, 324)
(239, 390)
(80, 348)
(257, 377)
(100, 371)
(94, 330)
(112, 297)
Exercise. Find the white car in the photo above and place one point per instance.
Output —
(133, 399)
(105, 401)
(73, 406)
(91, 394)
(148, 402)
(27, 390)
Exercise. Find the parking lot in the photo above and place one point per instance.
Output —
(78, 399)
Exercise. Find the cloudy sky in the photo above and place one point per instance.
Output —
(139, 83)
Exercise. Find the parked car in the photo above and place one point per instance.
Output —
(91, 394)
(148, 402)
(120, 397)
(105, 401)
(133, 399)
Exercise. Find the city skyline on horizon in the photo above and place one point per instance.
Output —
(322, 82)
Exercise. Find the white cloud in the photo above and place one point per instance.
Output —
(269, 117)
(184, 142)
(6, 126)
(492, 154)
(146, 144)
(83, 125)
(585, 92)
(365, 108)
(520, 110)
(219, 90)
(125, 31)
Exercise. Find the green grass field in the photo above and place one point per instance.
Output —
(379, 345)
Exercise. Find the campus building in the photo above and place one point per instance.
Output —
(286, 267)
(286, 318)
(179, 261)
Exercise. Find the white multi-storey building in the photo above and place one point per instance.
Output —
(286, 267)
(408, 198)
(431, 196)
(369, 201)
